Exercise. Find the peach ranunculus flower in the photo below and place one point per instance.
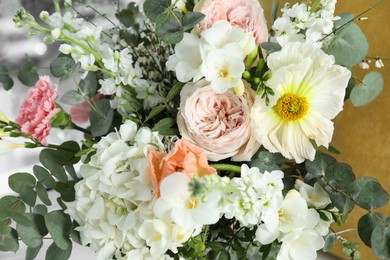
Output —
(218, 123)
(246, 14)
(38, 109)
(184, 158)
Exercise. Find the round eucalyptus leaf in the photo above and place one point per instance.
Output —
(368, 90)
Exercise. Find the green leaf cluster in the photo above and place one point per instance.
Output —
(170, 23)
(34, 221)
(346, 191)
(5, 79)
(27, 73)
(86, 90)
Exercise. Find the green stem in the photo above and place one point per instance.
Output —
(226, 167)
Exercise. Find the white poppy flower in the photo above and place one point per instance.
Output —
(310, 92)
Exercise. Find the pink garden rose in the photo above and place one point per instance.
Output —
(38, 109)
(246, 14)
(218, 123)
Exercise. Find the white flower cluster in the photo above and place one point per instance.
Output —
(254, 196)
(122, 68)
(115, 196)
(300, 23)
(217, 55)
(297, 223)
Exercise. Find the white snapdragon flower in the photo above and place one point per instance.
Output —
(256, 195)
(176, 204)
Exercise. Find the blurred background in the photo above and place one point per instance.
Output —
(361, 134)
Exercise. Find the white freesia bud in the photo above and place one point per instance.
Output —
(3, 118)
(6, 146)
(56, 33)
(44, 16)
(239, 89)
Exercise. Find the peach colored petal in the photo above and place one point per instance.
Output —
(154, 159)
(185, 158)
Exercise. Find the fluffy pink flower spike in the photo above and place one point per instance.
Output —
(38, 109)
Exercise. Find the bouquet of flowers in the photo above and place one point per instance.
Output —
(206, 134)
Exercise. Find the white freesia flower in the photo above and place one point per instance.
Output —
(6, 146)
(296, 227)
(310, 92)
(176, 204)
(315, 196)
(187, 60)
(218, 55)
(224, 67)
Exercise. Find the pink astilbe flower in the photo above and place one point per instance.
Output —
(38, 109)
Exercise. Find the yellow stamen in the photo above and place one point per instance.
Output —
(292, 107)
(192, 203)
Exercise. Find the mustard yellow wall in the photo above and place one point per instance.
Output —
(363, 134)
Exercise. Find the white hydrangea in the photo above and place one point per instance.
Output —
(115, 196)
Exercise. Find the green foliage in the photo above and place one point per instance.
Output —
(367, 224)
(127, 16)
(23, 183)
(86, 90)
(101, 117)
(368, 90)
(27, 73)
(170, 24)
(174, 91)
(267, 161)
(32, 252)
(63, 67)
(32, 235)
(165, 126)
(9, 242)
(61, 119)
(59, 224)
(54, 252)
(5, 79)
(368, 193)
(350, 45)
(271, 47)
(330, 240)
(380, 239)
(154, 112)
(44, 177)
(8, 205)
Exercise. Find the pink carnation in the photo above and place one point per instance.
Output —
(218, 123)
(38, 109)
(246, 14)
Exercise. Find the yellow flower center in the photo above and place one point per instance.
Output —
(292, 107)
(192, 203)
